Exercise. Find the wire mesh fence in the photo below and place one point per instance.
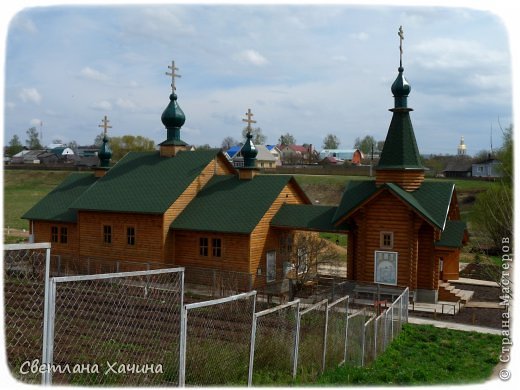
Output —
(378, 332)
(355, 338)
(216, 341)
(25, 267)
(312, 340)
(337, 332)
(132, 328)
(274, 344)
(120, 328)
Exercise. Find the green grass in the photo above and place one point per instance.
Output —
(424, 355)
(23, 189)
(333, 237)
(465, 185)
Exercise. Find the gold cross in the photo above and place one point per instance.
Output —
(105, 124)
(401, 37)
(173, 74)
(249, 114)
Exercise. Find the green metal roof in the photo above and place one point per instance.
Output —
(400, 150)
(306, 217)
(355, 193)
(55, 206)
(145, 182)
(453, 235)
(431, 200)
(227, 204)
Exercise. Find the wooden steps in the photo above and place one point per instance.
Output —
(449, 293)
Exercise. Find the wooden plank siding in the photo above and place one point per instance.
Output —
(409, 180)
(427, 267)
(264, 238)
(385, 215)
(217, 167)
(234, 255)
(42, 233)
(147, 229)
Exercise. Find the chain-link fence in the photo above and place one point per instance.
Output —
(312, 340)
(216, 341)
(119, 328)
(274, 344)
(337, 332)
(68, 266)
(378, 332)
(355, 333)
(25, 272)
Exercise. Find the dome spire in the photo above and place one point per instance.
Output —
(249, 151)
(400, 88)
(105, 153)
(173, 118)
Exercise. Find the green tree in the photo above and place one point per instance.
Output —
(33, 139)
(15, 146)
(258, 137)
(73, 145)
(228, 142)
(98, 141)
(365, 144)
(492, 215)
(380, 145)
(204, 147)
(331, 141)
(287, 139)
(129, 143)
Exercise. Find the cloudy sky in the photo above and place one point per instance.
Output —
(304, 69)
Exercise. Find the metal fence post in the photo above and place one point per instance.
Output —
(346, 333)
(296, 341)
(392, 319)
(182, 346)
(325, 336)
(252, 352)
(48, 340)
(378, 319)
(46, 317)
(363, 341)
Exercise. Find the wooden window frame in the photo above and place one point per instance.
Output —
(216, 247)
(54, 234)
(130, 235)
(382, 237)
(64, 235)
(203, 246)
(107, 234)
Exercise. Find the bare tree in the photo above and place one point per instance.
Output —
(228, 142)
(306, 252)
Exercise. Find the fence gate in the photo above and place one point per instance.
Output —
(114, 329)
(216, 341)
(26, 271)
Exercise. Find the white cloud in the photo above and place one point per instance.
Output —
(30, 95)
(360, 36)
(339, 58)
(23, 23)
(103, 105)
(453, 54)
(10, 105)
(93, 74)
(252, 57)
(35, 122)
(126, 104)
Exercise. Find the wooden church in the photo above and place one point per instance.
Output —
(193, 208)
